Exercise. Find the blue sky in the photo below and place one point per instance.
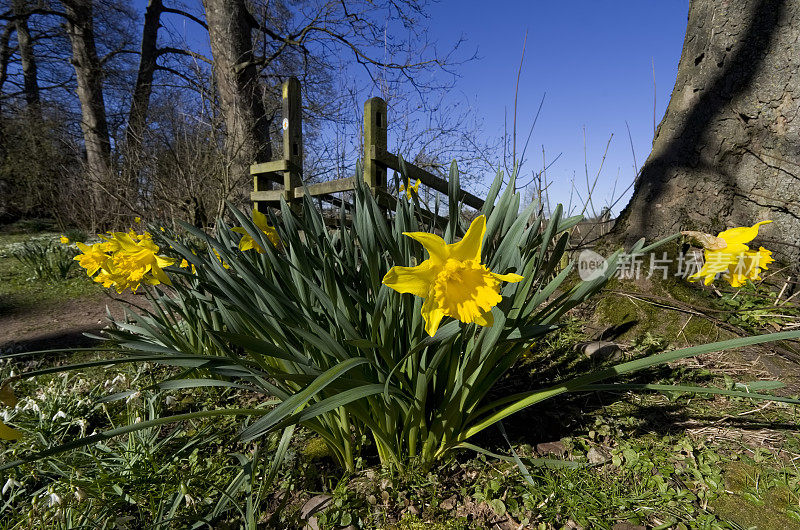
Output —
(595, 63)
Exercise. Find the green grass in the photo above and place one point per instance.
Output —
(656, 472)
(19, 291)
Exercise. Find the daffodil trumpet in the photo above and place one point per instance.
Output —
(453, 281)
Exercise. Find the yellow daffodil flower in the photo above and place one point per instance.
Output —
(729, 255)
(414, 187)
(93, 258)
(64, 240)
(125, 261)
(135, 259)
(137, 220)
(453, 281)
(247, 242)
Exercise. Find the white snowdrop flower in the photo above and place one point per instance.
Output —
(10, 483)
(82, 423)
(134, 398)
(11, 374)
(80, 495)
(55, 499)
(6, 415)
(31, 405)
(190, 501)
(59, 414)
(170, 400)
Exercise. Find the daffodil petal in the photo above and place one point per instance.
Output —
(510, 277)
(741, 234)
(7, 396)
(435, 245)
(433, 315)
(260, 220)
(470, 246)
(163, 261)
(83, 247)
(415, 280)
(246, 243)
(7, 433)
(160, 275)
(486, 319)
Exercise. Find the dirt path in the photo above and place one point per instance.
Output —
(60, 325)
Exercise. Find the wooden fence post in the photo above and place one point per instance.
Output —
(374, 142)
(292, 138)
(290, 166)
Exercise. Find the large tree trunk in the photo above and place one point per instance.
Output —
(240, 99)
(5, 57)
(140, 101)
(89, 76)
(727, 150)
(27, 58)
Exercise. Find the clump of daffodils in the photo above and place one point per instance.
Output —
(453, 281)
(124, 260)
(727, 254)
(247, 242)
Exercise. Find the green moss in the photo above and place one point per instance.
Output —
(316, 449)
(754, 498)
(749, 514)
(652, 311)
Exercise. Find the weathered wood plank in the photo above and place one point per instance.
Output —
(417, 173)
(374, 134)
(275, 166)
(292, 136)
(387, 200)
(324, 188)
(268, 195)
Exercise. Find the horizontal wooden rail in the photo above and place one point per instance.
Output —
(417, 173)
(322, 188)
(274, 167)
(387, 200)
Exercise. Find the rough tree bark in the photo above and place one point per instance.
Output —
(140, 102)
(247, 126)
(27, 58)
(5, 56)
(727, 150)
(89, 77)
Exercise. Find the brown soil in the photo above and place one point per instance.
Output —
(61, 325)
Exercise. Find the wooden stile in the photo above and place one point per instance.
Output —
(377, 161)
